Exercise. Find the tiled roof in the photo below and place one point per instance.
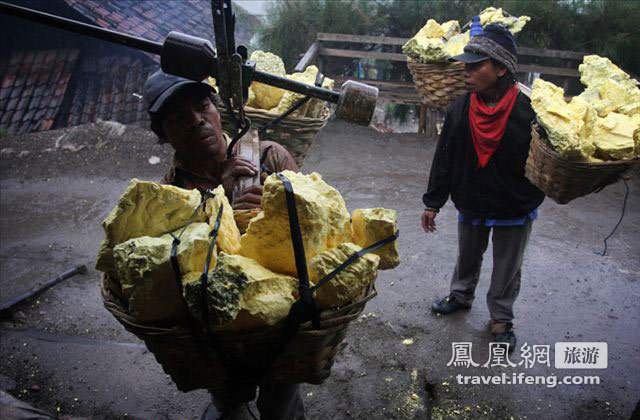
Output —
(111, 89)
(34, 83)
(33, 88)
(149, 19)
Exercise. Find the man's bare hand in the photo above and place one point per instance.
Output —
(249, 198)
(234, 168)
(429, 221)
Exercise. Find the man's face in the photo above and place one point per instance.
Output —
(191, 124)
(482, 76)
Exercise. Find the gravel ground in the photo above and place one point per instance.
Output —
(64, 353)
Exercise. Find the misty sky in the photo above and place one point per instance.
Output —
(255, 7)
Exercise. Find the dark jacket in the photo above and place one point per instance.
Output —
(497, 191)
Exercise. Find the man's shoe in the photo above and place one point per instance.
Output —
(506, 337)
(448, 305)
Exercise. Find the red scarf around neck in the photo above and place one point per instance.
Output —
(488, 123)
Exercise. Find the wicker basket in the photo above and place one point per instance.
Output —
(243, 217)
(564, 180)
(438, 83)
(297, 134)
(307, 358)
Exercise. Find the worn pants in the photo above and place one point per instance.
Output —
(275, 401)
(509, 243)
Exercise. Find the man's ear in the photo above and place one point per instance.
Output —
(500, 70)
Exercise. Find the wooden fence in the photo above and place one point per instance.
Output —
(562, 66)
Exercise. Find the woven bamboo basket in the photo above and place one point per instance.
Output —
(243, 217)
(307, 358)
(564, 180)
(438, 84)
(296, 134)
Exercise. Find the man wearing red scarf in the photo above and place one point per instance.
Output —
(479, 162)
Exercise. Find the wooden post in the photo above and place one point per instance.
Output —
(422, 121)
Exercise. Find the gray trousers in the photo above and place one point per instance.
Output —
(509, 244)
(275, 401)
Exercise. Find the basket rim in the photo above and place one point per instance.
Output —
(536, 136)
(435, 63)
(326, 113)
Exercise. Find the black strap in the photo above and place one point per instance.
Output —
(284, 115)
(173, 257)
(310, 310)
(205, 271)
(196, 335)
(355, 256)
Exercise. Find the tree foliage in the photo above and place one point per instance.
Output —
(606, 27)
(294, 24)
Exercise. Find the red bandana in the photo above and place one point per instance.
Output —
(488, 123)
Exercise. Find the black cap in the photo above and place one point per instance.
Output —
(501, 36)
(160, 86)
(469, 57)
(496, 42)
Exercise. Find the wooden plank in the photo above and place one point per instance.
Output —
(308, 57)
(538, 52)
(556, 71)
(378, 83)
(362, 39)
(333, 52)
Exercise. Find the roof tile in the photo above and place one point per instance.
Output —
(33, 86)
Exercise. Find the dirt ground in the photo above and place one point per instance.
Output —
(65, 354)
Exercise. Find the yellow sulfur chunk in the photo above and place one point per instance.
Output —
(241, 294)
(290, 98)
(228, 239)
(146, 209)
(431, 29)
(493, 15)
(148, 281)
(595, 70)
(614, 136)
(436, 42)
(265, 96)
(423, 49)
(630, 110)
(372, 225)
(456, 44)
(611, 96)
(267, 297)
(450, 29)
(568, 125)
(322, 213)
(349, 283)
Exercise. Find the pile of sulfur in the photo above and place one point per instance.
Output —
(600, 124)
(278, 100)
(438, 42)
(252, 278)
